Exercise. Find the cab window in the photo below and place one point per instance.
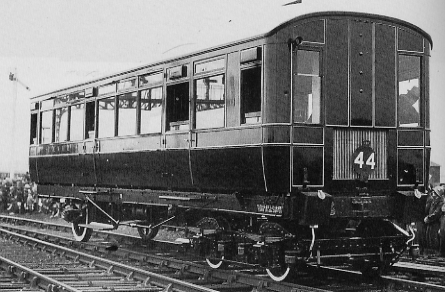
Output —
(307, 88)
(409, 85)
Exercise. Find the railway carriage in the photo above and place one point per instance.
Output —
(305, 143)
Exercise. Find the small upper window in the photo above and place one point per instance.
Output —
(409, 91)
(126, 84)
(108, 88)
(151, 79)
(209, 66)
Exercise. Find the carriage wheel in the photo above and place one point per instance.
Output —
(147, 233)
(276, 268)
(213, 259)
(279, 274)
(82, 233)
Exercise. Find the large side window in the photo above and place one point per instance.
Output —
(177, 109)
(90, 121)
(61, 119)
(307, 88)
(409, 104)
(151, 110)
(106, 121)
(251, 95)
(33, 129)
(76, 124)
(46, 127)
(127, 114)
(209, 102)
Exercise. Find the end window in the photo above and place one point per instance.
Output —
(307, 88)
(409, 104)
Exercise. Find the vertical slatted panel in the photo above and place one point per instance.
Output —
(345, 143)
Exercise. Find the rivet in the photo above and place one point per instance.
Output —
(361, 72)
(361, 90)
(361, 53)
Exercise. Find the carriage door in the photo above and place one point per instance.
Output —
(177, 128)
(307, 149)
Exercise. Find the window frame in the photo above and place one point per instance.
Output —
(319, 50)
(421, 59)
(208, 74)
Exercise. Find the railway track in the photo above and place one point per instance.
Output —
(196, 271)
(221, 280)
(55, 268)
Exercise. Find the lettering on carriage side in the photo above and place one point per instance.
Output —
(272, 209)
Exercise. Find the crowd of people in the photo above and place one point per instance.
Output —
(20, 197)
(431, 231)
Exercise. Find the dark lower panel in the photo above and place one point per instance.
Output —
(223, 170)
(228, 169)
(277, 168)
(135, 169)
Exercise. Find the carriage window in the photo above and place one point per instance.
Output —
(46, 127)
(108, 88)
(127, 114)
(126, 84)
(33, 130)
(76, 125)
(177, 109)
(61, 124)
(151, 79)
(106, 117)
(90, 114)
(209, 103)
(409, 91)
(151, 110)
(307, 88)
(251, 95)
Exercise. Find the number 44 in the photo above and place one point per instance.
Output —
(360, 161)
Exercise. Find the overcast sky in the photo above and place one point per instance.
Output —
(57, 43)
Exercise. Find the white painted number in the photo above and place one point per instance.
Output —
(360, 161)
(370, 161)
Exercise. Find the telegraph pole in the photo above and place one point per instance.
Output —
(15, 81)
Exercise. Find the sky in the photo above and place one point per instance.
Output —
(51, 44)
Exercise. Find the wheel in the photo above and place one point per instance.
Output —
(279, 274)
(277, 269)
(147, 233)
(82, 233)
(214, 258)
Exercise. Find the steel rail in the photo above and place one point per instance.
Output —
(397, 283)
(130, 272)
(32, 277)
